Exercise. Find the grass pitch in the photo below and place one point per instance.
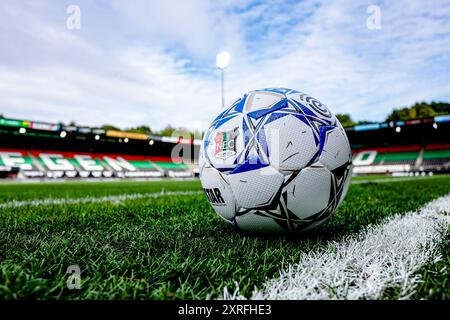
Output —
(173, 247)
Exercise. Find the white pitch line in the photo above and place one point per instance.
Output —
(133, 196)
(397, 179)
(362, 266)
(113, 199)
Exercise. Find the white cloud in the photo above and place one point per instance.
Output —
(153, 62)
(189, 23)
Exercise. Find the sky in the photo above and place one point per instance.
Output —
(130, 63)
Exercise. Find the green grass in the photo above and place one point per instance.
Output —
(435, 283)
(172, 247)
(79, 189)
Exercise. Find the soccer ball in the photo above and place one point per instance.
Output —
(276, 160)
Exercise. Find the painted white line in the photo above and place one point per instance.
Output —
(363, 266)
(122, 197)
(112, 199)
(382, 180)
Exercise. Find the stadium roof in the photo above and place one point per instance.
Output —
(58, 128)
(393, 124)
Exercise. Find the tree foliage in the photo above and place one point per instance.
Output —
(345, 119)
(109, 127)
(141, 129)
(419, 110)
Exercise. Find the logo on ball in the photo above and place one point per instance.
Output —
(226, 143)
(214, 196)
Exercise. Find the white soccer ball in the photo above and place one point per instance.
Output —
(276, 160)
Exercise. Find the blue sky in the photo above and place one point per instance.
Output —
(153, 62)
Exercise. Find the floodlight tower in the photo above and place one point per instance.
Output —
(222, 61)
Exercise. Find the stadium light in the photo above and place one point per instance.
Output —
(22, 130)
(435, 125)
(63, 134)
(398, 129)
(222, 61)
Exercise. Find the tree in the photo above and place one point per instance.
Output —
(345, 119)
(364, 122)
(197, 134)
(109, 127)
(441, 107)
(167, 131)
(141, 129)
(419, 110)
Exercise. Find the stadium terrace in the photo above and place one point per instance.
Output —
(413, 147)
(79, 152)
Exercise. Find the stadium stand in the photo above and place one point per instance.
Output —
(56, 164)
(416, 147)
(436, 156)
(52, 151)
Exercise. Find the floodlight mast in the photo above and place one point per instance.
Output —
(222, 61)
(223, 87)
